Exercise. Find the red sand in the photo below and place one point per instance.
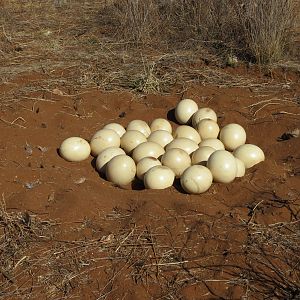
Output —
(34, 178)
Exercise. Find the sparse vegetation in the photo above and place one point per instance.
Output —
(268, 28)
(272, 255)
(170, 253)
(146, 46)
(257, 30)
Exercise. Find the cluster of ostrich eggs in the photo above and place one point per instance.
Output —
(197, 152)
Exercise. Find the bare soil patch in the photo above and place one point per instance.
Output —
(66, 232)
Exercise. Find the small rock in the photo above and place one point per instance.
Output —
(80, 180)
(42, 149)
(51, 197)
(289, 135)
(28, 149)
(31, 185)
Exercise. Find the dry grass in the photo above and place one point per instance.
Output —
(139, 21)
(119, 45)
(260, 30)
(39, 264)
(166, 256)
(268, 27)
(19, 232)
(272, 269)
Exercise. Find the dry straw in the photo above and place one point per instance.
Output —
(171, 252)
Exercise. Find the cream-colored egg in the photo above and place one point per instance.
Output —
(177, 160)
(147, 149)
(139, 125)
(249, 154)
(144, 165)
(185, 131)
(223, 166)
(132, 139)
(105, 156)
(185, 110)
(232, 136)
(103, 139)
(161, 124)
(201, 155)
(118, 128)
(74, 149)
(185, 144)
(158, 178)
(196, 179)
(213, 143)
(121, 170)
(240, 172)
(203, 113)
(208, 129)
(161, 137)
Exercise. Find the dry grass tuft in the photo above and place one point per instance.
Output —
(272, 269)
(20, 234)
(138, 20)
(268, 27)
(260, 30)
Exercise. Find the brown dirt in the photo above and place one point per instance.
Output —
(67, 233)
(206, 231)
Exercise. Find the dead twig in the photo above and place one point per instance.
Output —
(13, 123)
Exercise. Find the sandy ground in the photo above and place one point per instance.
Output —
(67, 233)
(198, 238)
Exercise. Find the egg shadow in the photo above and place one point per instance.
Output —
(137, 185)
(178, 186)
(93, 164)
(171, 115)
